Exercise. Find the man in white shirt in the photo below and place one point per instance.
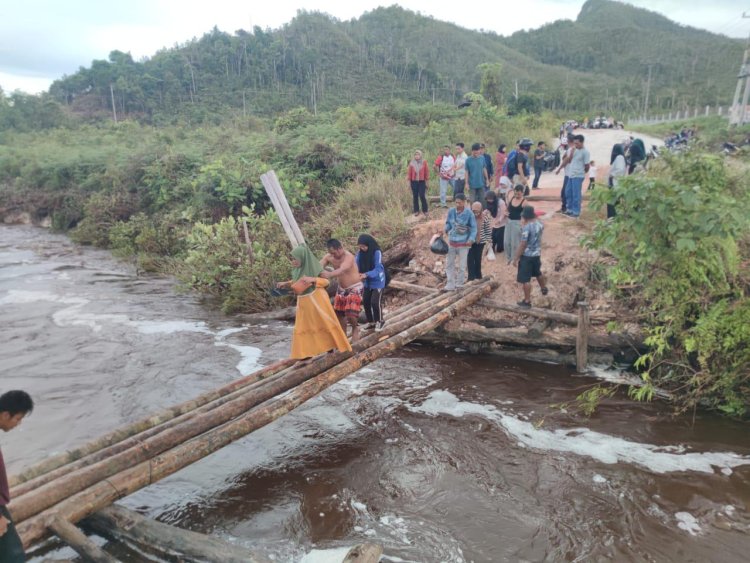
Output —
(445, 165)
(459, 180)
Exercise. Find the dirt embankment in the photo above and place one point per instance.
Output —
(569, 267)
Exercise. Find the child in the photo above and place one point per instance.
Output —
(14, 405)
(528, 257)
(592, 176)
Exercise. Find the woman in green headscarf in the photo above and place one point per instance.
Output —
(316, 328)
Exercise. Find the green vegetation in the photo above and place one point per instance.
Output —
(680, 241)
(689, 67)
(173, 198)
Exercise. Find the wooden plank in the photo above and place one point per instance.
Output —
(266, 181)
(104, 493)
(118, 523)
(285, 206)
(76, 539)
(582, 337)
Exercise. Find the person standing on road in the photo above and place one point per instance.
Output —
(488, 165)
(500, 158)
(528, 256)
(512, 236)
(569, 149)
(459, 181)
(14, 406)
(637, 154)
(617, 170)
(592, 176)
(484, 235)
(539, 155)
(497, 208)
(418, 173)
(579, 166)
(461, 227)
(518, 165)
(444, 166)
(476, 174)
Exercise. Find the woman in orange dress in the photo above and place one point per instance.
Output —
(316, 328)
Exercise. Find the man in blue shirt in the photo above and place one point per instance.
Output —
(461, 227)
(476, 174)
(528, 257)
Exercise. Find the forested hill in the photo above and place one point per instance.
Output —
(689, 66)
(597, 63)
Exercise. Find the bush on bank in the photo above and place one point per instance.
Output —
(679, 239)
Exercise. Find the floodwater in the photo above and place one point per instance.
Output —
(435, 454)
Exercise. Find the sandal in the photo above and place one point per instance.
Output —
(545, 290)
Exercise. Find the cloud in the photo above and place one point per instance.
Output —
(48, 38)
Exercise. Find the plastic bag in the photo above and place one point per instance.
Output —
(438, 245)
(491, 255)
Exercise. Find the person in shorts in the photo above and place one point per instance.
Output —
(528, 257)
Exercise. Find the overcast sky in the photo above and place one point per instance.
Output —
(40, 40)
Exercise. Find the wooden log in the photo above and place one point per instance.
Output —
(141, 425)
(537, 312)
(273, 196)
(538, 327)
(541, 355)
(82, 476)
(103, 493)
(76, 539)
(398, 254)
(550, 339)
(281, 196)
(582, 337)
(364, 553)
(118, 523)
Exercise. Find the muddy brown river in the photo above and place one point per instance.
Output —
(435, 454)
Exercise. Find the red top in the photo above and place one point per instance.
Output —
(4, 489)
(424, 173)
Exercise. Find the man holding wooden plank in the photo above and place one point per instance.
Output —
(348, 300)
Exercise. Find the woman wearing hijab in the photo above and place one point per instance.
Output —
(496, 209)
(500, 158)
(316, 328)
(372, 273)
(418, 174)
(617, 169)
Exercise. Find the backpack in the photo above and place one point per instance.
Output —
(387, 275)
(511, 166)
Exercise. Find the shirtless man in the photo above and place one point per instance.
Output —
(348, 300)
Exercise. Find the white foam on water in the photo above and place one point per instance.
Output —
(21, 296)
(249, 356)
(168, 327)
(582, 441)
(335, 555)
(687, 522)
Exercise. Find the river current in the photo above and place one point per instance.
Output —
(435, 454)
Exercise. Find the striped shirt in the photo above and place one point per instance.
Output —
(485, 234)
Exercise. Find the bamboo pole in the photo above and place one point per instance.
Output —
(118, 523)
(133, 428)
(279, 211)
(76, 539)
(76, 480)
(103, 493)
(582, 337)
(285, 206)
(240, 386)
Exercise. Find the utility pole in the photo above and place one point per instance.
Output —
(114, 109)
(516, 90)
(648, 91)
(738, 112)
